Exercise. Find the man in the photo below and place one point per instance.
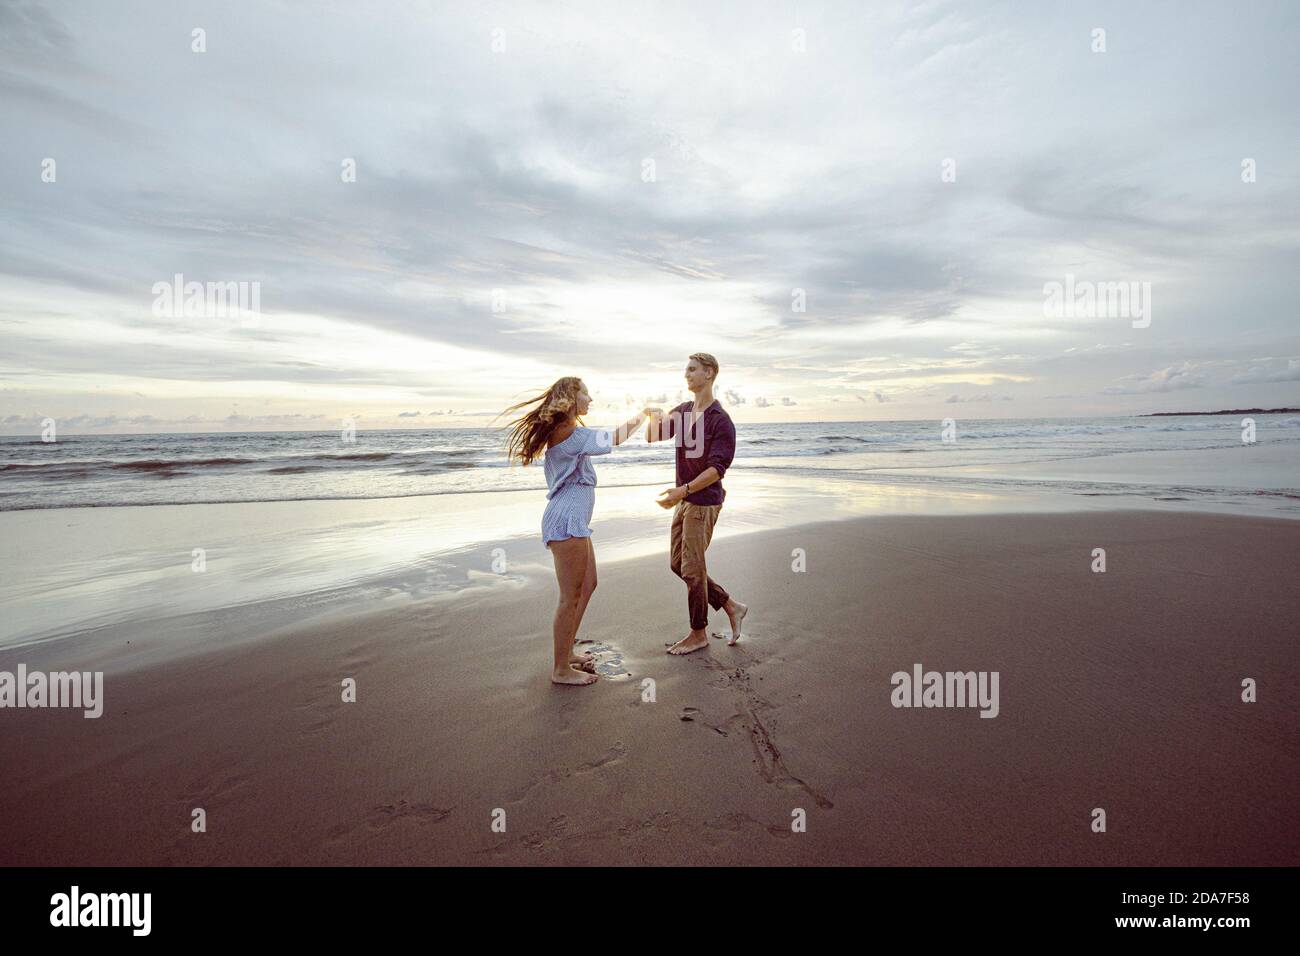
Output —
(706, 442)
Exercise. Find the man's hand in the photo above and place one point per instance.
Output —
(670, 496)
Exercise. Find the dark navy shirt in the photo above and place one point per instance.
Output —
(712, 444)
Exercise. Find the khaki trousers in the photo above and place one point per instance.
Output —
(691, 534)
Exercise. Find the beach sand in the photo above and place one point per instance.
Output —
(1118, 690)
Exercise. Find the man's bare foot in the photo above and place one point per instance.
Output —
(583, 662)
(694, 641)
(736, 615)
(571, 675)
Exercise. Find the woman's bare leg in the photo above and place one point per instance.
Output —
(588, 588)
(571, 559)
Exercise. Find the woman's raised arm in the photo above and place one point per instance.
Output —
(624, 431)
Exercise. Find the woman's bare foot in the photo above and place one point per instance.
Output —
(694, 641)
(571, 675)
(583, 662)
(736, 613)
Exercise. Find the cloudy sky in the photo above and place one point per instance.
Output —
(601, 188)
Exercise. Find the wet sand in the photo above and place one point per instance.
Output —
(1118, 690)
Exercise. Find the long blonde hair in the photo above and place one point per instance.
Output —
(531, 431)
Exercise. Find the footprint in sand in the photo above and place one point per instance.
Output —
(609, 662)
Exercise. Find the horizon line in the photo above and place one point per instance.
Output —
(836, 421)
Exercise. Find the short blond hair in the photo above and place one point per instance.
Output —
(707, 360)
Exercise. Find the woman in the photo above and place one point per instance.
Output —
(553, 430)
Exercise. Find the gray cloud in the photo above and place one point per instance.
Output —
(1171, 379)
(1270, 370)
(521, 172)
(981, 397)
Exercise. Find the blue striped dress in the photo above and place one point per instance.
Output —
(571, 483)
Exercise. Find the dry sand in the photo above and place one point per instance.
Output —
(1118, 690)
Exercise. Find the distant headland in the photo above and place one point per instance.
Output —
(1230, 411)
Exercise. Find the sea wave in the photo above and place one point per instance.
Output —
(92, 471)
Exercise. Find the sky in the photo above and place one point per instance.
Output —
(858, 208)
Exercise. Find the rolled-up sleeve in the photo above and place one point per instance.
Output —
(722, 445)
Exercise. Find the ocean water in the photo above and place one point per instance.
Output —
(1074, 456)
(295, 524)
